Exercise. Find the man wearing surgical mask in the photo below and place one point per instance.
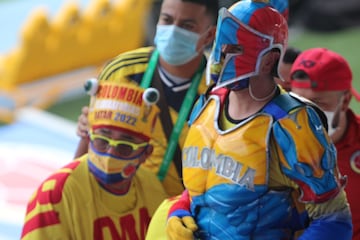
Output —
(325, 77)
(175, 66)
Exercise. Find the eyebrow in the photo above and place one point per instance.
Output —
(186, 20)
(128, 137)
(123, 135)
(104, 131)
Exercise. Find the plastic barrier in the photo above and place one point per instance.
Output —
(71, 40)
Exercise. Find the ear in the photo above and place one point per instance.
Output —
(346, 101)
(148, 151)
(207, 39)
(210, 35)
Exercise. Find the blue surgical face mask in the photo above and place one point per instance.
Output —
(333, 117)
(176, 46)
(330, 118)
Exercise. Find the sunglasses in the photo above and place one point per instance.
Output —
(123, 148)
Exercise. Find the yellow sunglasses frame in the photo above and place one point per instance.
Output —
(115, 143)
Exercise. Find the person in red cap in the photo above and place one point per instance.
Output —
(325, 77)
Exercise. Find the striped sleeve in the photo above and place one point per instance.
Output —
(130, 64)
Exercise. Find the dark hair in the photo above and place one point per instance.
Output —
(300, 74)
(212, 7)
(291, 54)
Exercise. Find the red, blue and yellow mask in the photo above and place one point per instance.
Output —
(236, 57)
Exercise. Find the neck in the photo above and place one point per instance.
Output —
(248, 101)
(186, 70)
(120, 188)
(241, 104)
(262, 90)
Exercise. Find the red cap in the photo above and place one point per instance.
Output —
(327, 70)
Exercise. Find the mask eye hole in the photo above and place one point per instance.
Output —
(231, 49)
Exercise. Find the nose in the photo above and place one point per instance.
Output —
(111, 150)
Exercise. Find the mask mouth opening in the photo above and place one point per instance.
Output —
(275, 72)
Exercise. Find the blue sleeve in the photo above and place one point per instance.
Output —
(334, 227)
(311, 165)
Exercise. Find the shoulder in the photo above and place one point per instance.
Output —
(55, 184)
(149, 188)
(127, 64)
(352, 130)
(51, 198)
(144, 172)
(312, 105)
(353, 118)
(297, 117)
(149, 180)
(165, 206)
(290, 104)
(283, 104)
(158, 222)
(203, 99)
(51, 191)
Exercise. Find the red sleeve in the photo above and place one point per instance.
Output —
(182, 204)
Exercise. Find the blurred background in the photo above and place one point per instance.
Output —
(48, 48)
